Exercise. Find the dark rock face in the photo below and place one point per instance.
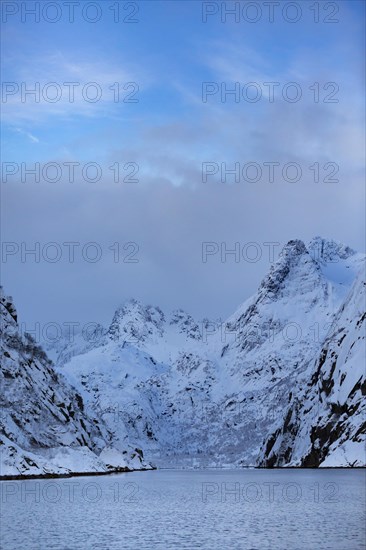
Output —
(34, 397)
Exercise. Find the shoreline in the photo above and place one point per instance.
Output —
(21, 477)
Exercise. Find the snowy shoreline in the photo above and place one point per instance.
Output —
(71, 474)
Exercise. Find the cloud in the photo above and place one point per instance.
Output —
(170, 212)
(169, 223)
(30, 136)
(57, 85)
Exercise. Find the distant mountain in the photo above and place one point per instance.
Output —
(45, 427)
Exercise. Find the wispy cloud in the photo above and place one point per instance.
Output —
(57, 85)
(30, 136)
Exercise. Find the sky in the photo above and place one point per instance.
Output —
(160, 136)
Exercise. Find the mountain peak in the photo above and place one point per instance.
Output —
(294, 248)
(327, 250)
(133, 321)
(292, 256)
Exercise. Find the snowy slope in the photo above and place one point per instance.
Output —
(325, 424)
(45, 428)
(73, 342)
(278, 332)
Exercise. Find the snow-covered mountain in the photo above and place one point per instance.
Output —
(208, 393)
(45, 427)
(281, 382)
(325, 423)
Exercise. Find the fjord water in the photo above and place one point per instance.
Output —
(194, 509)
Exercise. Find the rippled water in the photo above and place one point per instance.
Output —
(210, 509)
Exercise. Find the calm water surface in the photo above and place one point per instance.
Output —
(169, 509)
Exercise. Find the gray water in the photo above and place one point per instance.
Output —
(169, 509)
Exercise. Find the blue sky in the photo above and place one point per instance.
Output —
(169, 133)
